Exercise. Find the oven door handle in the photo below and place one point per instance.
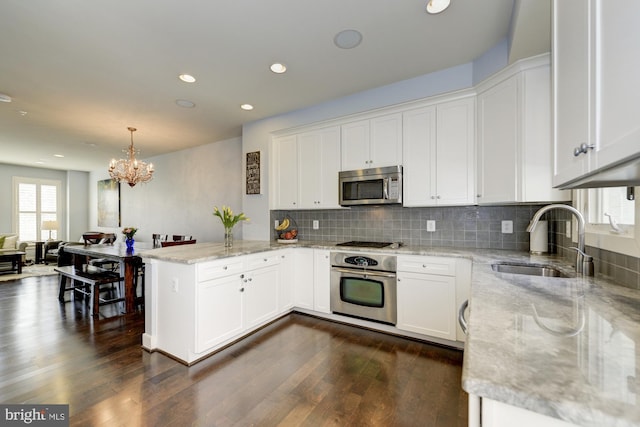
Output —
(363, 272)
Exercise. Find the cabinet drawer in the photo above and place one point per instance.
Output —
(263, 260)
(221, 268)
(427, 264)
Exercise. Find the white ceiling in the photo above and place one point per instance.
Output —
(84, 71)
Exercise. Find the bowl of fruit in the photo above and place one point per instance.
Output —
(287, 231)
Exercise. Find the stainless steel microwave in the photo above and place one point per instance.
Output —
(375, 186)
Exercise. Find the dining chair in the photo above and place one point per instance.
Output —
(157, 238)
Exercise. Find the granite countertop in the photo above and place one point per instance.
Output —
(564, 347)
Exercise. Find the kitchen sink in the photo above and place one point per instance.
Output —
(528, 269)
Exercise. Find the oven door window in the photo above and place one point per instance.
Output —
(363, 190)
(361, 291)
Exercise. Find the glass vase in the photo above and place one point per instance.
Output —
(228, 237)
(129, 242)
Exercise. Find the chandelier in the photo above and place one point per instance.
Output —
(131, 170)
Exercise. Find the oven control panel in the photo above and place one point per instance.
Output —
(368, 261)
(361, 261)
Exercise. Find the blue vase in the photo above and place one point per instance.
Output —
(129, 243)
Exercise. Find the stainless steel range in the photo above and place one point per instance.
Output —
(364, 286)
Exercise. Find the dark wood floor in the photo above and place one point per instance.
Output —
(299, 371)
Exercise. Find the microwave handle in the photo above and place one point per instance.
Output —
(385, 188)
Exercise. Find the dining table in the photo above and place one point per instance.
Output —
(129, 262)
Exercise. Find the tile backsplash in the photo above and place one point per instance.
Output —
(620, 268)
(462, 227)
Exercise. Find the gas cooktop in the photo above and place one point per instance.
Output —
(361, 244)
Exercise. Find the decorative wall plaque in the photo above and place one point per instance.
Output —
(253, 173)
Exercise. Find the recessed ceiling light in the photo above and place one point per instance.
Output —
(58, 155)
(247, 107)
(185, 103)
(187, 78)
(4, 98)
(437, 6)
(347, 39)
(39, 162)
(278, 68)
(22, 113)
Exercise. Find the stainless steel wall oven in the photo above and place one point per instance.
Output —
(364, 286)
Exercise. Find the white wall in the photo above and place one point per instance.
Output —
(186, 186)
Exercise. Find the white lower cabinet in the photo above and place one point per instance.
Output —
(261, 295)
(427, 296)
(219, 314)
(201, 307)
(498, 414)
(234, 296)
(303, 278)
(285, 293)
(321, 281)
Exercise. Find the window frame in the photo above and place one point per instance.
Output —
(601, 235)
(17, 180)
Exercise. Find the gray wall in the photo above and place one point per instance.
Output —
(256, 135)
(186, 186)
(74, 198)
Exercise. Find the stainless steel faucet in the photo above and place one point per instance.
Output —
(584, 262)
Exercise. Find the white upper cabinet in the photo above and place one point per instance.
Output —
(596, 63)
(439, 154)
(319, 164)
(305, 171)
(285, 172)
(514, 136)
(372, 143)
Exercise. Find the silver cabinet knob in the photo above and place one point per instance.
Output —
(583, 149)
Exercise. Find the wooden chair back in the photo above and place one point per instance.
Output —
(177, 243)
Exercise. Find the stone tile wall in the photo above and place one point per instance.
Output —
(463, 227)
(621, 269)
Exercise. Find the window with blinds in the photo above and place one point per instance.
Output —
(36, 200)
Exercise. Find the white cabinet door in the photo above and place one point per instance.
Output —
(596, 61)
(455, 152)
(617, 88)
(321, 283)
(355, 146)
(219, 314)
(285, 292)
(439, 154)
(303, 278)
(571, 50)
(286, 172)
(514, 136)
(497, 141)
(426, 304)
(372, 143)
(386, 141)
(419, 153)
(261, 295)
(319, 164)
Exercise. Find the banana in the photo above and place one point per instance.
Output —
(283, 225)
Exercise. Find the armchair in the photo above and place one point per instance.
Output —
(50, 251)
